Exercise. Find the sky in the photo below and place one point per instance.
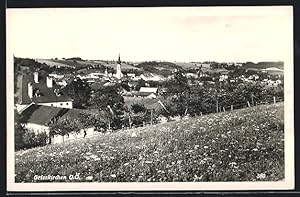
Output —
(182, 34)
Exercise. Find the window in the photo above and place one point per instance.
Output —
(67, 103)
(51, 105)
(61, 104)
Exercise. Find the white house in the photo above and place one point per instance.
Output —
(40, 90)
(149, 92)
(37, 117)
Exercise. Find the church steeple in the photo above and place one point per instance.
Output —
(119, 59)
(119, 72)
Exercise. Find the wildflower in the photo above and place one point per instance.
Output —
(232, 164)
(205, 147)
(255, 149)
(126, 164)
(113, 175)
(133, 134)
(261, 176)
(89, 178)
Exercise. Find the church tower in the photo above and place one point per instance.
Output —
(119, 74)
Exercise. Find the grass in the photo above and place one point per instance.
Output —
(147, 102)
(243, 145)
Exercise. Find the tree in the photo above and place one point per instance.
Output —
(109, 101)
(80, 91)
(178, 89)
(64, 126)
(95, 119)
(19, 132)
(139, 114)
(136, 108)
(140, 83)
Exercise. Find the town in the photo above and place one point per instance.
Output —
(58, 100)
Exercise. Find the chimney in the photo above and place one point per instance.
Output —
(36, 77)
(49, 82)
(30, 90)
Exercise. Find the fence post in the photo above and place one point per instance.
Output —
(143, 123)
(151, 116)
(274, 99)
(231, 107)
(217, 106)
(200, 113)
(252, 101)
(129, 119)
(248, 104)
(224, 109)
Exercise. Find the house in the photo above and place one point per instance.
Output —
(150, 77)
(37, 117)
(40, 90)
(56, 76)
(191, 75)
(149, 92)
(131, 75)
(61, 82)
(223, 78)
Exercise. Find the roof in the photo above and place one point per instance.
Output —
(42, 115)
(47, 94)
(144, 93)
(148, 89)
(273, 69)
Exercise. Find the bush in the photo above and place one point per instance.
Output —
(30, 139)
(19, 132)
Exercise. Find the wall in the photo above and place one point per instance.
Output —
(68, 104)
(20, 107)
(72, 136)
(58, 138)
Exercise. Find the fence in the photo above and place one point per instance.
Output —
(223, 109)
(219, 110)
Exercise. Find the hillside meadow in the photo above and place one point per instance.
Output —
(243, 145)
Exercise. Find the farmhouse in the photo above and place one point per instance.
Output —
(40, 90)
(148, 92)
(37, 117)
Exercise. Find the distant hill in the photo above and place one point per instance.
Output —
(263, 65)
(193, 65)
(160, 68)
(52, 63)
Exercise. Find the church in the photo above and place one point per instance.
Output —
(118, 73)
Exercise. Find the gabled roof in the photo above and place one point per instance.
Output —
(42, 115)
(47, 94)
(144, 93)
(148, 89)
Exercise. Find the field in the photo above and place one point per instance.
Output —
(243, 145)
(124, 66)
(149, 103)
(52, 63)
(189, 65)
